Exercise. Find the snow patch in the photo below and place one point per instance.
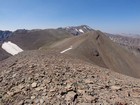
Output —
(89, 27)
(81, 30)
(76, 30)
(67, 27)
(66, 50)
(11, 48)
(85, 27)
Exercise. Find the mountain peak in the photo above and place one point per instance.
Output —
(77, 30)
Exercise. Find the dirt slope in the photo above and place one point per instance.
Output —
(98, 49)
(51, 78)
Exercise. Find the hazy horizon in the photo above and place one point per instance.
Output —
(112, 16)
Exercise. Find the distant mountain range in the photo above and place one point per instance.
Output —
(132, 40)
(77, 30)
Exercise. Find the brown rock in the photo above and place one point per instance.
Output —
(135, 92)
(84, 104)
(88, 98)
(34, 84)
(39, 88)
(70, 96)
(88, 81)
(32, 97)
(41, 101)
(21, 103)
(115, 87)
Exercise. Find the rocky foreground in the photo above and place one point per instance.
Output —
(46, 78)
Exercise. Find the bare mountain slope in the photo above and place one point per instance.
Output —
(118, 58)
(98, 49)
(34, 39)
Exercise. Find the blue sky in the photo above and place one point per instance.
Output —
(114, 16)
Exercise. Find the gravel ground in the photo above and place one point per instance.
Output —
(50, 78)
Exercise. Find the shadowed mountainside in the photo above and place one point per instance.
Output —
(3, 54)
(4, 35)
(34, 39)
